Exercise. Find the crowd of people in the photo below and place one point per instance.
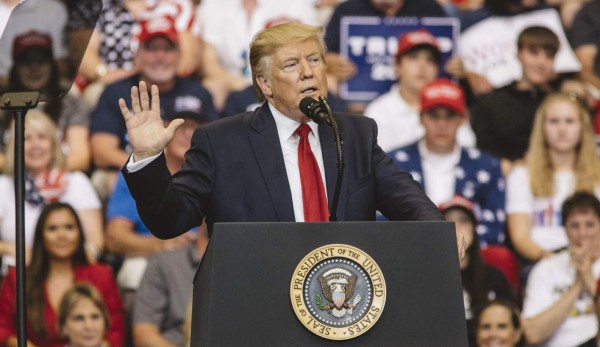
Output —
(515, 164)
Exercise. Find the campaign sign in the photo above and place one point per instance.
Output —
(371, 43)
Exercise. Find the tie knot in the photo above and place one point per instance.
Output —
(303, 131)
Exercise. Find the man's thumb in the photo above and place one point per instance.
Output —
(175, 123)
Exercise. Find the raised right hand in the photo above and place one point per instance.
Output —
(147, 133)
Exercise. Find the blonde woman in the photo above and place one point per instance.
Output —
(46, 181)
(561, 159)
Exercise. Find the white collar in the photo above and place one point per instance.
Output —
(427, 154)
(286, 127)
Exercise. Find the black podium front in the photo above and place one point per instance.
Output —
(242, 288)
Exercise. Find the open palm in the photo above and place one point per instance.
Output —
(147, 133)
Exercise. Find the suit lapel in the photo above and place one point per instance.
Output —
(330, 162)
(269, 156)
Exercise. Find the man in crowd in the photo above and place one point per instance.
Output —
(444, 168)
(158, 58)
(558, 309)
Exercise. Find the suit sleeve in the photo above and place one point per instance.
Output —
(170, 206)
(398, 196)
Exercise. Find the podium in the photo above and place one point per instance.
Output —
(242, 287)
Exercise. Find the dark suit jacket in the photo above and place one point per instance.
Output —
(234, 172)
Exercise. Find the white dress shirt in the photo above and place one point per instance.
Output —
(286, 128)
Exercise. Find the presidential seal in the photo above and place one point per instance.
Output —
(338, 292)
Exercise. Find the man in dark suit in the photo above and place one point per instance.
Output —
(245, 168)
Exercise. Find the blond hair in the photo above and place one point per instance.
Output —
(72, 297)
(268, 41)
(40, 121)
(538, 160)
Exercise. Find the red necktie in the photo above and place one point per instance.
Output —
(313, 193)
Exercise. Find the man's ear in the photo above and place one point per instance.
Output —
(265, 86)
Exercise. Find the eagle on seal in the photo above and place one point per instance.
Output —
(337, 285)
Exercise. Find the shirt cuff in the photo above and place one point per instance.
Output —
(138, 165)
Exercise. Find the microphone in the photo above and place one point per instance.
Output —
(315, 111)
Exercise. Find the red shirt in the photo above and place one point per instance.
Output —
(98, 275)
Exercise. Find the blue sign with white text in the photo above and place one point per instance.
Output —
(371, 43)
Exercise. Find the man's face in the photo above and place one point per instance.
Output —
(294, 72)
(417, 68)
(158, 60)
(583, 229)
(537, 65)
(441, 125)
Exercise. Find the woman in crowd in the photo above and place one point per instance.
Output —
(36, 70)
(82, 317)
(46, 181)
(498, 325)
(561, 159)
(481, 282)
(58, 262)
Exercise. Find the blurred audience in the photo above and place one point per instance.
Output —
(339, 67)
(503, 120)
(225, 47)
(161, 301)
(46, 181)
(158, 57)
(481, 282)
(585, 39)
(110, 54)
(444, 168)
(83, 318)
(36, 70)
(397, 111)
(558, 309)
(498, 324)
(561, 159)
(58, 262)
(126, 234)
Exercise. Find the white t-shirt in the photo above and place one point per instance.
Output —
(399, 124)
(546, 224)
(79, 193)
(226, 25)
(439, 173)
(549, 279)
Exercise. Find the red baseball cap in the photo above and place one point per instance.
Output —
(443, 93)
(32, 40)
(154, 27)
(459, 202)
(417, 38)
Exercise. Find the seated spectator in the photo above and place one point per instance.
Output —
(126, 234)
(561, 160)
(498, 324)
(585, 39)
(481, 282)
(558, 309)
(46, 181)
(110, 53)
(503, 120)
(158, 57)
(161, 301)
(58, 262)
(82, 317)
(397, 111)
(36, 70)
(444, 168)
